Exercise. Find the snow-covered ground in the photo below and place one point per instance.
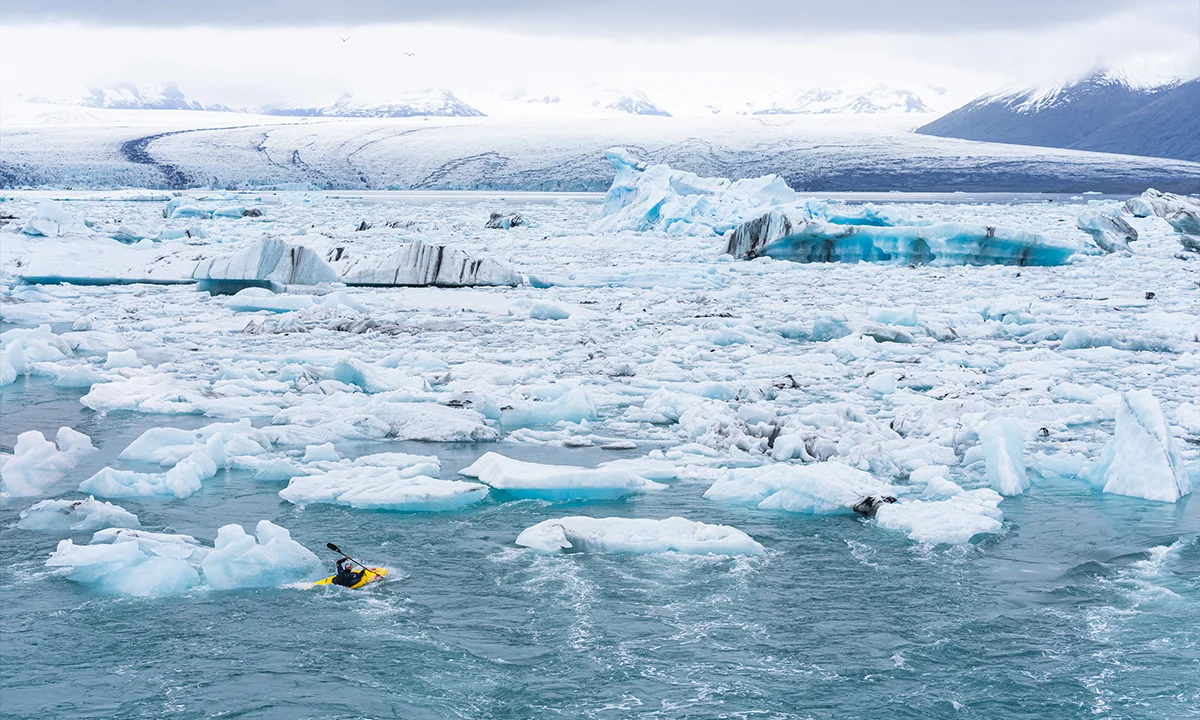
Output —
(75, 147)
(786, 386)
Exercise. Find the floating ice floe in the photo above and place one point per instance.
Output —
(819, 488)
(1110, 232)
(36, 463)
(528, 480)
(637, 535)
(1143, 459)
(139, 563)
(350, 416)
(20, 348)
(1181, 213)
(1003, 452)
(269, 260)
(423, 264)
(51, 219)
(777, 236)
(181, 481)
(952, 520)
(66, 516)
(575, 405)
(255, 299)
(405, 483)
(170, 446)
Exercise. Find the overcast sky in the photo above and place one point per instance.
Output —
(682, 53)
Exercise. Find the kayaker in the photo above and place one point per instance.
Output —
(347, 576)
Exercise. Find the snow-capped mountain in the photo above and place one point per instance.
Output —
(127, 96)
(1058, 115)
(879, 99)
(427, 103)
(635, 103)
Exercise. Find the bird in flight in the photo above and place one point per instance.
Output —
(410, 54)
(344, 39)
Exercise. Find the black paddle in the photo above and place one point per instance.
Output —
(338, 550)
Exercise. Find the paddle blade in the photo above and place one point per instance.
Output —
(334, 548)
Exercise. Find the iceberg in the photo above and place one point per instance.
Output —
(1143, 459)
(952, 521)
(821, 488)
(624, 535)
(499, 221)
(270, 260)
(348, 416)
(575, 405)
(51, 219)
(1110, 233)
(422, 264)
(1181, 213)
(1003, 453)
(122, 359)
(777, 236)
(657, 197)
(181, 481)
(239, 560)
(557, 483)
(36, 463)
(67, 516)
(145, 564)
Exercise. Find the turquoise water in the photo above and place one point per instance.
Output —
(1086, 606)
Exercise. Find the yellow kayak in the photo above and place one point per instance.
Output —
(370, 575)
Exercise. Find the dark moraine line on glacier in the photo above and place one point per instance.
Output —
(137, 151)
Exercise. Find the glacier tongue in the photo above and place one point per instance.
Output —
(420, 264)
(1143, 458)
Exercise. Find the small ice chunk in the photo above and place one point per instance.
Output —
(382, 489)
(637, 535)
(575, 405)
(1003, 452)
(1143, 459)
(36, 463)
(51, 219)
(528, 480)
(543, 310)
(122, 359)
(314, 453)
(167, 446)
(64, 516)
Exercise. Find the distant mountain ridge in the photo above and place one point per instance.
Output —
(1105, 111)
(429, 103)
(127, 96)
(880, 99)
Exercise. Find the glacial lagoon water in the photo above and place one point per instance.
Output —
(1065, 614)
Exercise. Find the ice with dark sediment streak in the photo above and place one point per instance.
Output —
(1111, 233)
(67, 516)
(637, 535)
(1143, 458)
(1181, 213)
(268, 260)
(778, 236)
(420, 264)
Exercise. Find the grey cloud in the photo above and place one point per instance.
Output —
(641, 18)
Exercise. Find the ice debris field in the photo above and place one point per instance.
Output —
(737, 363)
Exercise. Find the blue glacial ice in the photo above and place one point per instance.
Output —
(1003, 450)
(51, 219)
(37, 464)
(181, 481)
(637, 535)
(1111, 233)
(139, 563)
